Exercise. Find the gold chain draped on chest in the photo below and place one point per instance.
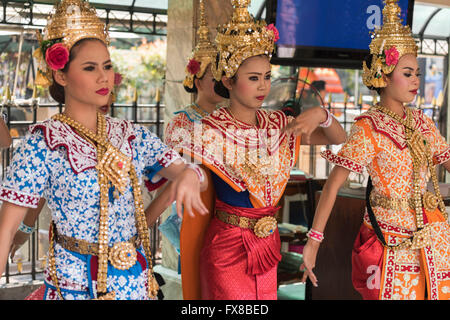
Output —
(114, 169)
(421, 156)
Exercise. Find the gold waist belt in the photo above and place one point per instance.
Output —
(122, 255)
(262, 227)
(429, 202)
(378, 200)
(419, 240)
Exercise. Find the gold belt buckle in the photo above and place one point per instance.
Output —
(122, 255)
(264, 227)
(430, 201)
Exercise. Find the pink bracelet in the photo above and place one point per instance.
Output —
(328, 121)
(315, 235)
(197, 170)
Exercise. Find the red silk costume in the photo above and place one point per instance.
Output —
(224, 261)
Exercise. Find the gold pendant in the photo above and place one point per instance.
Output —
(115, 166)
(417, 146)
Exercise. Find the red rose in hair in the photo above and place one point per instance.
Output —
(117, 79)
(276, 34)
(391, 56)
(57, 56)
(193, 66)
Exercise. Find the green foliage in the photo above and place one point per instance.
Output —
(141, 67)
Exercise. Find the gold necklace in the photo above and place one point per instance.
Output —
(421, 155)
(199, 110)
(114, 168)
(259, 170)
(237, 122)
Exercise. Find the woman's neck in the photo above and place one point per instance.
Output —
(393, 105)
(205, 105)
(243, 114)
(82, 113)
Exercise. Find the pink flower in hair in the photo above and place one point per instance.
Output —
(392, 56)
(276, 34)
(193, 66)
(117, 79)
(57, 56)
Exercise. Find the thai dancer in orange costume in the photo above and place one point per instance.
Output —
(249, 153)
(402, 249)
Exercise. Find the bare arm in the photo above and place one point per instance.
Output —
(158, 205)
(307, 123)
(186, 187)
(447, 165)
(337, 177)
(5, 137)
(30, 220)
(10, 217)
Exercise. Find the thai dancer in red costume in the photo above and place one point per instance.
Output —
(249, 153)
(402, 251)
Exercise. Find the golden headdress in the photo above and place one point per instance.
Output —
(204, 53)
(241, 38)
(72, 21)
(389, 44)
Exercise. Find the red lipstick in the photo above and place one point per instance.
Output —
(260, 98)
(414, 91)
(103, 91)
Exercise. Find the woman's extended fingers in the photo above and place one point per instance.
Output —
(187, 197)
(179, 203)
(308, 273)
(13, 251)
(199, 206)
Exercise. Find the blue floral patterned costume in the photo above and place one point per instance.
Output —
(56, 163)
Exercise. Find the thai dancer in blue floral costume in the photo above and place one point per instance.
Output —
(89, 168)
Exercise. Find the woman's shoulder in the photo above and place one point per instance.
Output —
(273, 118)
(190, 112)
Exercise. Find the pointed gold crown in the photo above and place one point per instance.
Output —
(71, 21)
(241, 38)
(389, 44)
(204, 53)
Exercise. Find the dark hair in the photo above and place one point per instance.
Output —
(318, 85)
(194, 87)
(56, 90)
(191, 90)
(219, 87)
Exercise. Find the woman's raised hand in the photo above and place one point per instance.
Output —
(305, 123)
(186, 189)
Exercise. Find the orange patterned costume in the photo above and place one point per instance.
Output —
(377, 142)
(250, 167)
(185, 124)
